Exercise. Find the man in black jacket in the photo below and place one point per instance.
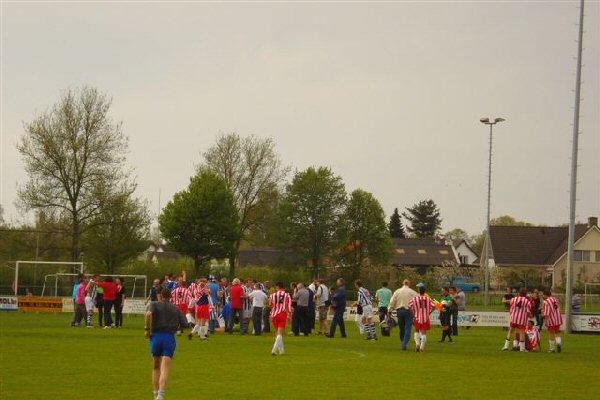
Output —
(338, 302)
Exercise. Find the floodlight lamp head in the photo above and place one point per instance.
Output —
(499, 120)
(485, 120)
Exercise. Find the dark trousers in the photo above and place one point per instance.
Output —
(454, 321)
(338, 319)
(382, 311)
(405, 321)
(312, 314)
(302, 325)
(80, 314)
(257, 320)
(265, 319)
(119, 314)
(100, 307)
(232, 314)
(108, 305)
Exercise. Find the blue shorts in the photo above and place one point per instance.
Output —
(162, 344)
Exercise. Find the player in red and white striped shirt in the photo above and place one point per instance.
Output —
(421, 306)
(520, 311)
(181, 297)
(281, 306)
(532, 337)
(553, 320)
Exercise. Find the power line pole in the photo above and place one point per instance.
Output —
(573, 191)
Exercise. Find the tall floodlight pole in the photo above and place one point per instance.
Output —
(487, 243)
(573, 191)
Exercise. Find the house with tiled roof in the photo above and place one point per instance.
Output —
(466, 255)
(423, 253)
(544, 249)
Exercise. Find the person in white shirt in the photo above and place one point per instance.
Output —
(399, 303)
(322, 302)
(258, 298)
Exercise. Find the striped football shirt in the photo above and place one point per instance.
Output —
(520, 310)
(552, 314)
(421, 306)
(364, 297)
(280, 302)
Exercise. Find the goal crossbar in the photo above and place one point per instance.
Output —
(20, 262)
(59, 274)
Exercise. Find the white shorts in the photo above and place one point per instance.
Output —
(367, 311)
(89, 304)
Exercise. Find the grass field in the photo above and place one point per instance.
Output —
(43, 358)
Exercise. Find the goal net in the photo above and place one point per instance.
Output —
(56, 285)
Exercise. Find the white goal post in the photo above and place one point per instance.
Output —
(28, 263)
(61, 274)
(585, 292)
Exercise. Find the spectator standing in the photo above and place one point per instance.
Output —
(400, 303)
(445, 315)
(80, 294)
(322, 302)
(119, 303)
(162, 320)
(301, 298)
(338, 302)
(214, 295)
(383, 296)
(258, 297)
(461, 305)
(110, 294)
(236, 294)
(267, 309)
(153, 294)
(536, 308)
(100, 302)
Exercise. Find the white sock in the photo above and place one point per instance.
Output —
(551, 345)
(506, 343)
(418, 339)
(423, 341)
(280, 344)
(275, 345)
(160, 395)
(515, 343)
(559, 340)
(522, 346)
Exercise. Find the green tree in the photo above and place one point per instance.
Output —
(72, 153)
(251, 170)
(365, 230)
(118, 233)
(457, 234)
(263, 231)
(424, 219)
(201, 221)
(395, 226)
(311, 215)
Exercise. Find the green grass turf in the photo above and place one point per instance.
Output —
(41, 357)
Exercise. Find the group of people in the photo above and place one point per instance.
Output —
(523, 332)
(104, 295)
(207, 304)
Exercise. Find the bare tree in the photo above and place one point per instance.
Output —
(74, 155)
(250, 167)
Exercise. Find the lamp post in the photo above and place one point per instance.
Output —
(486, 259)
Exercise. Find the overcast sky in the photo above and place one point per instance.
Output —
(389, 95)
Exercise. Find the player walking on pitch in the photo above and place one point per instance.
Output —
(281, 306)
(365, 301)
(520, 311)
(421, 306)
(553, 320)
(162, 320)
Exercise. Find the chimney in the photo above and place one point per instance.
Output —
(592, 221)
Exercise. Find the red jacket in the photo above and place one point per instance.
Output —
(235, 293)
(110, 290)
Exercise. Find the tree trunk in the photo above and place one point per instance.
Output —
(75, 256)
(233, 258)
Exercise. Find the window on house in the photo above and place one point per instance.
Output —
(582, 255)
(463, 259)
(421, 251)
(400, 251)
(597, 256)
(445, 252)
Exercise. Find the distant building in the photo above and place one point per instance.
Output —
(545, 249)
(156, 252)
(423, 253)
(465, 253)
(267, 256)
